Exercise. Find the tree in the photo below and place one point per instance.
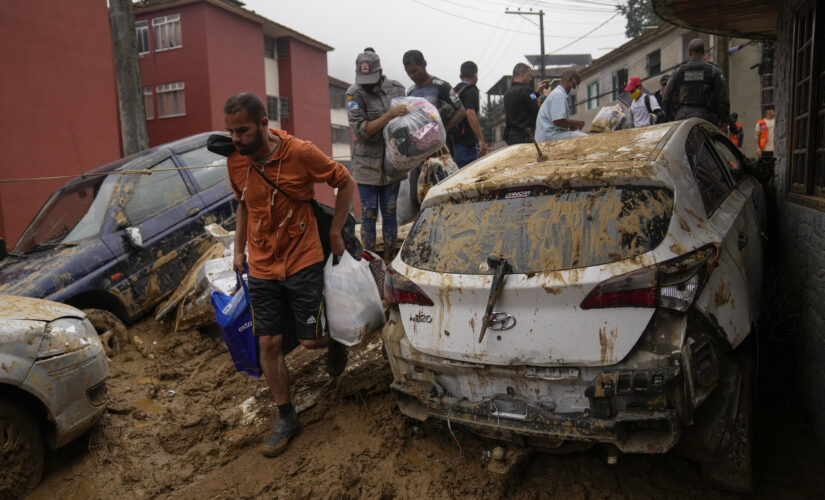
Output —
(639, 13)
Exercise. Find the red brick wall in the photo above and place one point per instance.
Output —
(59, 108)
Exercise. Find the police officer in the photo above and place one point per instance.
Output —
(521, 106)
(698, 89)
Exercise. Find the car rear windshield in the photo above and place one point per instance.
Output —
(539, 229)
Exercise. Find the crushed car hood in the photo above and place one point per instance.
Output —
(25, 308)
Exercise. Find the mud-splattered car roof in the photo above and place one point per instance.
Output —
(625, 155)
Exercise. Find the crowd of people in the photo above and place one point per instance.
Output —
(273, 174)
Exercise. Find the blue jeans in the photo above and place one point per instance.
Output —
(464, 154)
(371, 198)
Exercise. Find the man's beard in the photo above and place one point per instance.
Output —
(250, 149)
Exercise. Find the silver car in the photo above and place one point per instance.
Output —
(602, 291)
(52, 385)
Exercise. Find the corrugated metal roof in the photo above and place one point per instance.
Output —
(742, 18)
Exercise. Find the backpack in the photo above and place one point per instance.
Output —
(464, 126)
(660, 115)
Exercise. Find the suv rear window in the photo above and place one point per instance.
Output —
(539, 229)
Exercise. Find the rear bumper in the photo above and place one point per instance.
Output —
(543, 407)
(631, 430)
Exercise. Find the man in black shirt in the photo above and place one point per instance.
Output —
(521, 106)
(468, 142)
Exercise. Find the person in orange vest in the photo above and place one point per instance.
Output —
(764, 132)
(735, 129)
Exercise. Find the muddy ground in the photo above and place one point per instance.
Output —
(183, 424)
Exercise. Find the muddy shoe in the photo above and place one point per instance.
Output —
(278, 439)
(336, 358)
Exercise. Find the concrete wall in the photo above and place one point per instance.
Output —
(803, 245)
(59, 109)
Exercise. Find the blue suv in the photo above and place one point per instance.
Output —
(116, 245)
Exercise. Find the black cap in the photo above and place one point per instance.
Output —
(664, 79)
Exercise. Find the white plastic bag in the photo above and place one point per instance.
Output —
(608, 119)
(354, 307)
(412, 137)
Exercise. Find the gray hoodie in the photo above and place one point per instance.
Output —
(368, 151)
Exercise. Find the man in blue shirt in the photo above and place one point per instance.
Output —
(553, 122)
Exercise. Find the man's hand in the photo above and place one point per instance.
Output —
(397, 111)
(336, 243)
(238, 262)
(482, 147)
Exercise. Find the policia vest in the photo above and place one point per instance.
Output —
(695, 88)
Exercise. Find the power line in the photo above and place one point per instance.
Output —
(586, 34)
(482, 23)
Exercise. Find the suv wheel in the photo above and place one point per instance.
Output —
(110, 329)
(733, 468)
(21, 451)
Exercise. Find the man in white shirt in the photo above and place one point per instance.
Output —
(553, 121)
(643, 105)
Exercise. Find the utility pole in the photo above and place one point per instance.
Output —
(541, 29)
(127, 73)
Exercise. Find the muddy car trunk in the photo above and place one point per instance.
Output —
(558, 245)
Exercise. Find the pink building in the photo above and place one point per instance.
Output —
(196, 53)
(59, 106)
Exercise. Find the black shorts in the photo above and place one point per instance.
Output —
(299, 300)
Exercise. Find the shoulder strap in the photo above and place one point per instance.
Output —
(464, 88)
(268, 181)
(647, 103)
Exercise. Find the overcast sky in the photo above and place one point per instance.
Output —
(448, 32)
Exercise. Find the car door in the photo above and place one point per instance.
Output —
(726, 297)
(165, 208)
(750, 239)
(208, 173)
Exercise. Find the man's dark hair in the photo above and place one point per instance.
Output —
(413, 56)
(768, 107)
(571, 75)
(734, 117)
(468, 69)
(520, 68)
(696, 46)
(248, 101)
(369, 49)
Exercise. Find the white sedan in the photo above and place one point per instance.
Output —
(603, 291)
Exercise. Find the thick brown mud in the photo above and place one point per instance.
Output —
(183, 424)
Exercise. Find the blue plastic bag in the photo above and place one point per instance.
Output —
(234, 317)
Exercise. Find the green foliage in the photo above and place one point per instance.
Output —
(639, 13)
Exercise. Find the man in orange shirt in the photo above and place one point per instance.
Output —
(277, 222)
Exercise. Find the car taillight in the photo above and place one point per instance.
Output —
(673, 284)
(401, 290)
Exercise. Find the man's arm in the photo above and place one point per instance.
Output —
(459, 115)
(342, 202)
(379, 123)
(569, 124)
(240, 238)
(472, 119)
(667, 95)
(756, 138)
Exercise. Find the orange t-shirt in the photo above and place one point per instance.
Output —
(282, 234)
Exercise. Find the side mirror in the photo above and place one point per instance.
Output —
(134, 237)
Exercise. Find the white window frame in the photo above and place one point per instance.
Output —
(149, 107)
(167, 25)
(170, 90)
(142, 32)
